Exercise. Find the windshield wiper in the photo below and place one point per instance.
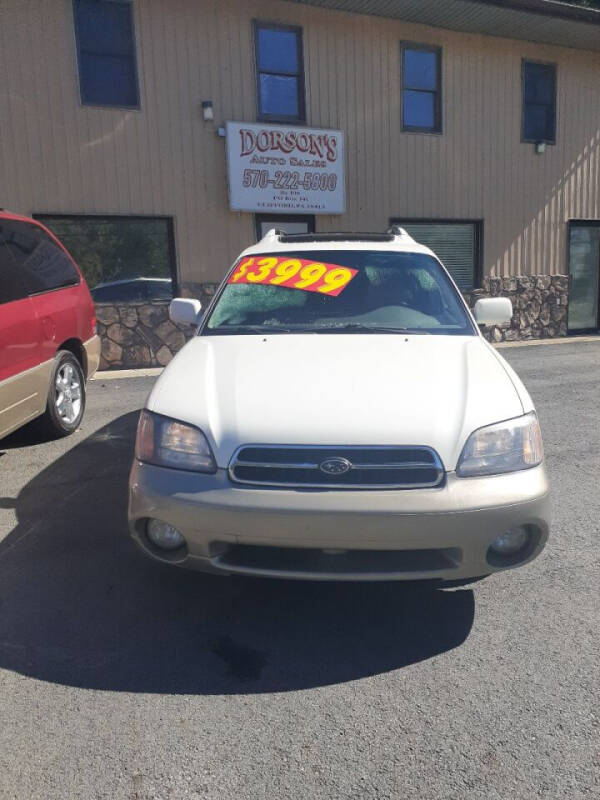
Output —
(348, 327)
(233, 329)
(358, 327)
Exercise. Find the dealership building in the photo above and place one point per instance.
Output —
(158, 138)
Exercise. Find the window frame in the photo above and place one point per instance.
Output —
(44, 218)
(438, 128)
(134, 57)
(478, 225)
(257, 25)
(309, 219)
(554, 66)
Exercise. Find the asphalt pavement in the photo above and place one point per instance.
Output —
(121, 678)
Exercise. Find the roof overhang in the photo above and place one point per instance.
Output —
(543, 21)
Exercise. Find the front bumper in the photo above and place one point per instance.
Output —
(442, 533)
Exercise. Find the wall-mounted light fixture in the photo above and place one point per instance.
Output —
(207, 110)
(540, 147)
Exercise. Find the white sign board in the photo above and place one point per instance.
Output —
(285, 169)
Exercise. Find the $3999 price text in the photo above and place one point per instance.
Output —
(293, 273)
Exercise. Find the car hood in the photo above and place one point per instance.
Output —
(351, 389)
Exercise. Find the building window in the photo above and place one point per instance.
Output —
(289, 223)
(279, 72)
(539, 102)
(123, 259)
(106, 53)
(421, 88)
(456, 243)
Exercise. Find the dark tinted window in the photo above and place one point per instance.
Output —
(539, 102)
(277, 49)
(119, 254)
(42, 264)
(106, 45)
(280, 75)
(421, 88)
(11, 285)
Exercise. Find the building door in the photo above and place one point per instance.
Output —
(584, 276)
(290, 223)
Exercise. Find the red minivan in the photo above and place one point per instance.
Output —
(48, 341)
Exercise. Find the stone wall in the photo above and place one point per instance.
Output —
(539, 306)
(138, 335)
(141, 334)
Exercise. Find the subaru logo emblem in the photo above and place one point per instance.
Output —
(335, 466)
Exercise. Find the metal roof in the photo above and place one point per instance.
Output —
(544, 21)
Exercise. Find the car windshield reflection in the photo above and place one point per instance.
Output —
(374, 292)
(134, 290)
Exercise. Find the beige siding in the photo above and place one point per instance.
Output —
(57, 156)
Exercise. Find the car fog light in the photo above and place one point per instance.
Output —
(511, 541)
(163, 535)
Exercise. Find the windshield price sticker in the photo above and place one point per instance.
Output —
(294, 273)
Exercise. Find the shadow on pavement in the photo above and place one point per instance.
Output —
(79, 605)
(26, 436)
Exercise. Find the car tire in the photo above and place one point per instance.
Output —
(66, 396)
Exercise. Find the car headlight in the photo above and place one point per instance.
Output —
(167, 442)
(504, 447)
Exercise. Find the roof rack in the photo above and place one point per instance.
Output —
(391, 234)
(272, 233)
(396, 230)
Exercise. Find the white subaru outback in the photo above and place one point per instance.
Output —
(340, 416)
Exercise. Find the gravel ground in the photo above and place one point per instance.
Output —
(120, 678)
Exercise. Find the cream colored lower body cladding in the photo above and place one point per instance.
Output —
(23, 396)
(441, 533)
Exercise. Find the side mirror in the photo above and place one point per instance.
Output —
(185, 311)
(493, 311)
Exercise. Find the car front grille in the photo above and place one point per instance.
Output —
(307, 561)
(337, 467)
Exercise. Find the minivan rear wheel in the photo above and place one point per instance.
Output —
(66, 396)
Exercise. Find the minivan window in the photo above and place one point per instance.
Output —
(11, 285)
(390, 291)
(43, 265)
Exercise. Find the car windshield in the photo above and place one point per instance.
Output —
(338, 291)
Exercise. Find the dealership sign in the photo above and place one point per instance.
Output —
(283, 169)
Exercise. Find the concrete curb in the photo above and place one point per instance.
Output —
(542, 342)
(153, 372)
(114, 374)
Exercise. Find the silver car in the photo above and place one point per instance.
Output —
(340, 416)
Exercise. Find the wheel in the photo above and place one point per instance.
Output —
(66, 396)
